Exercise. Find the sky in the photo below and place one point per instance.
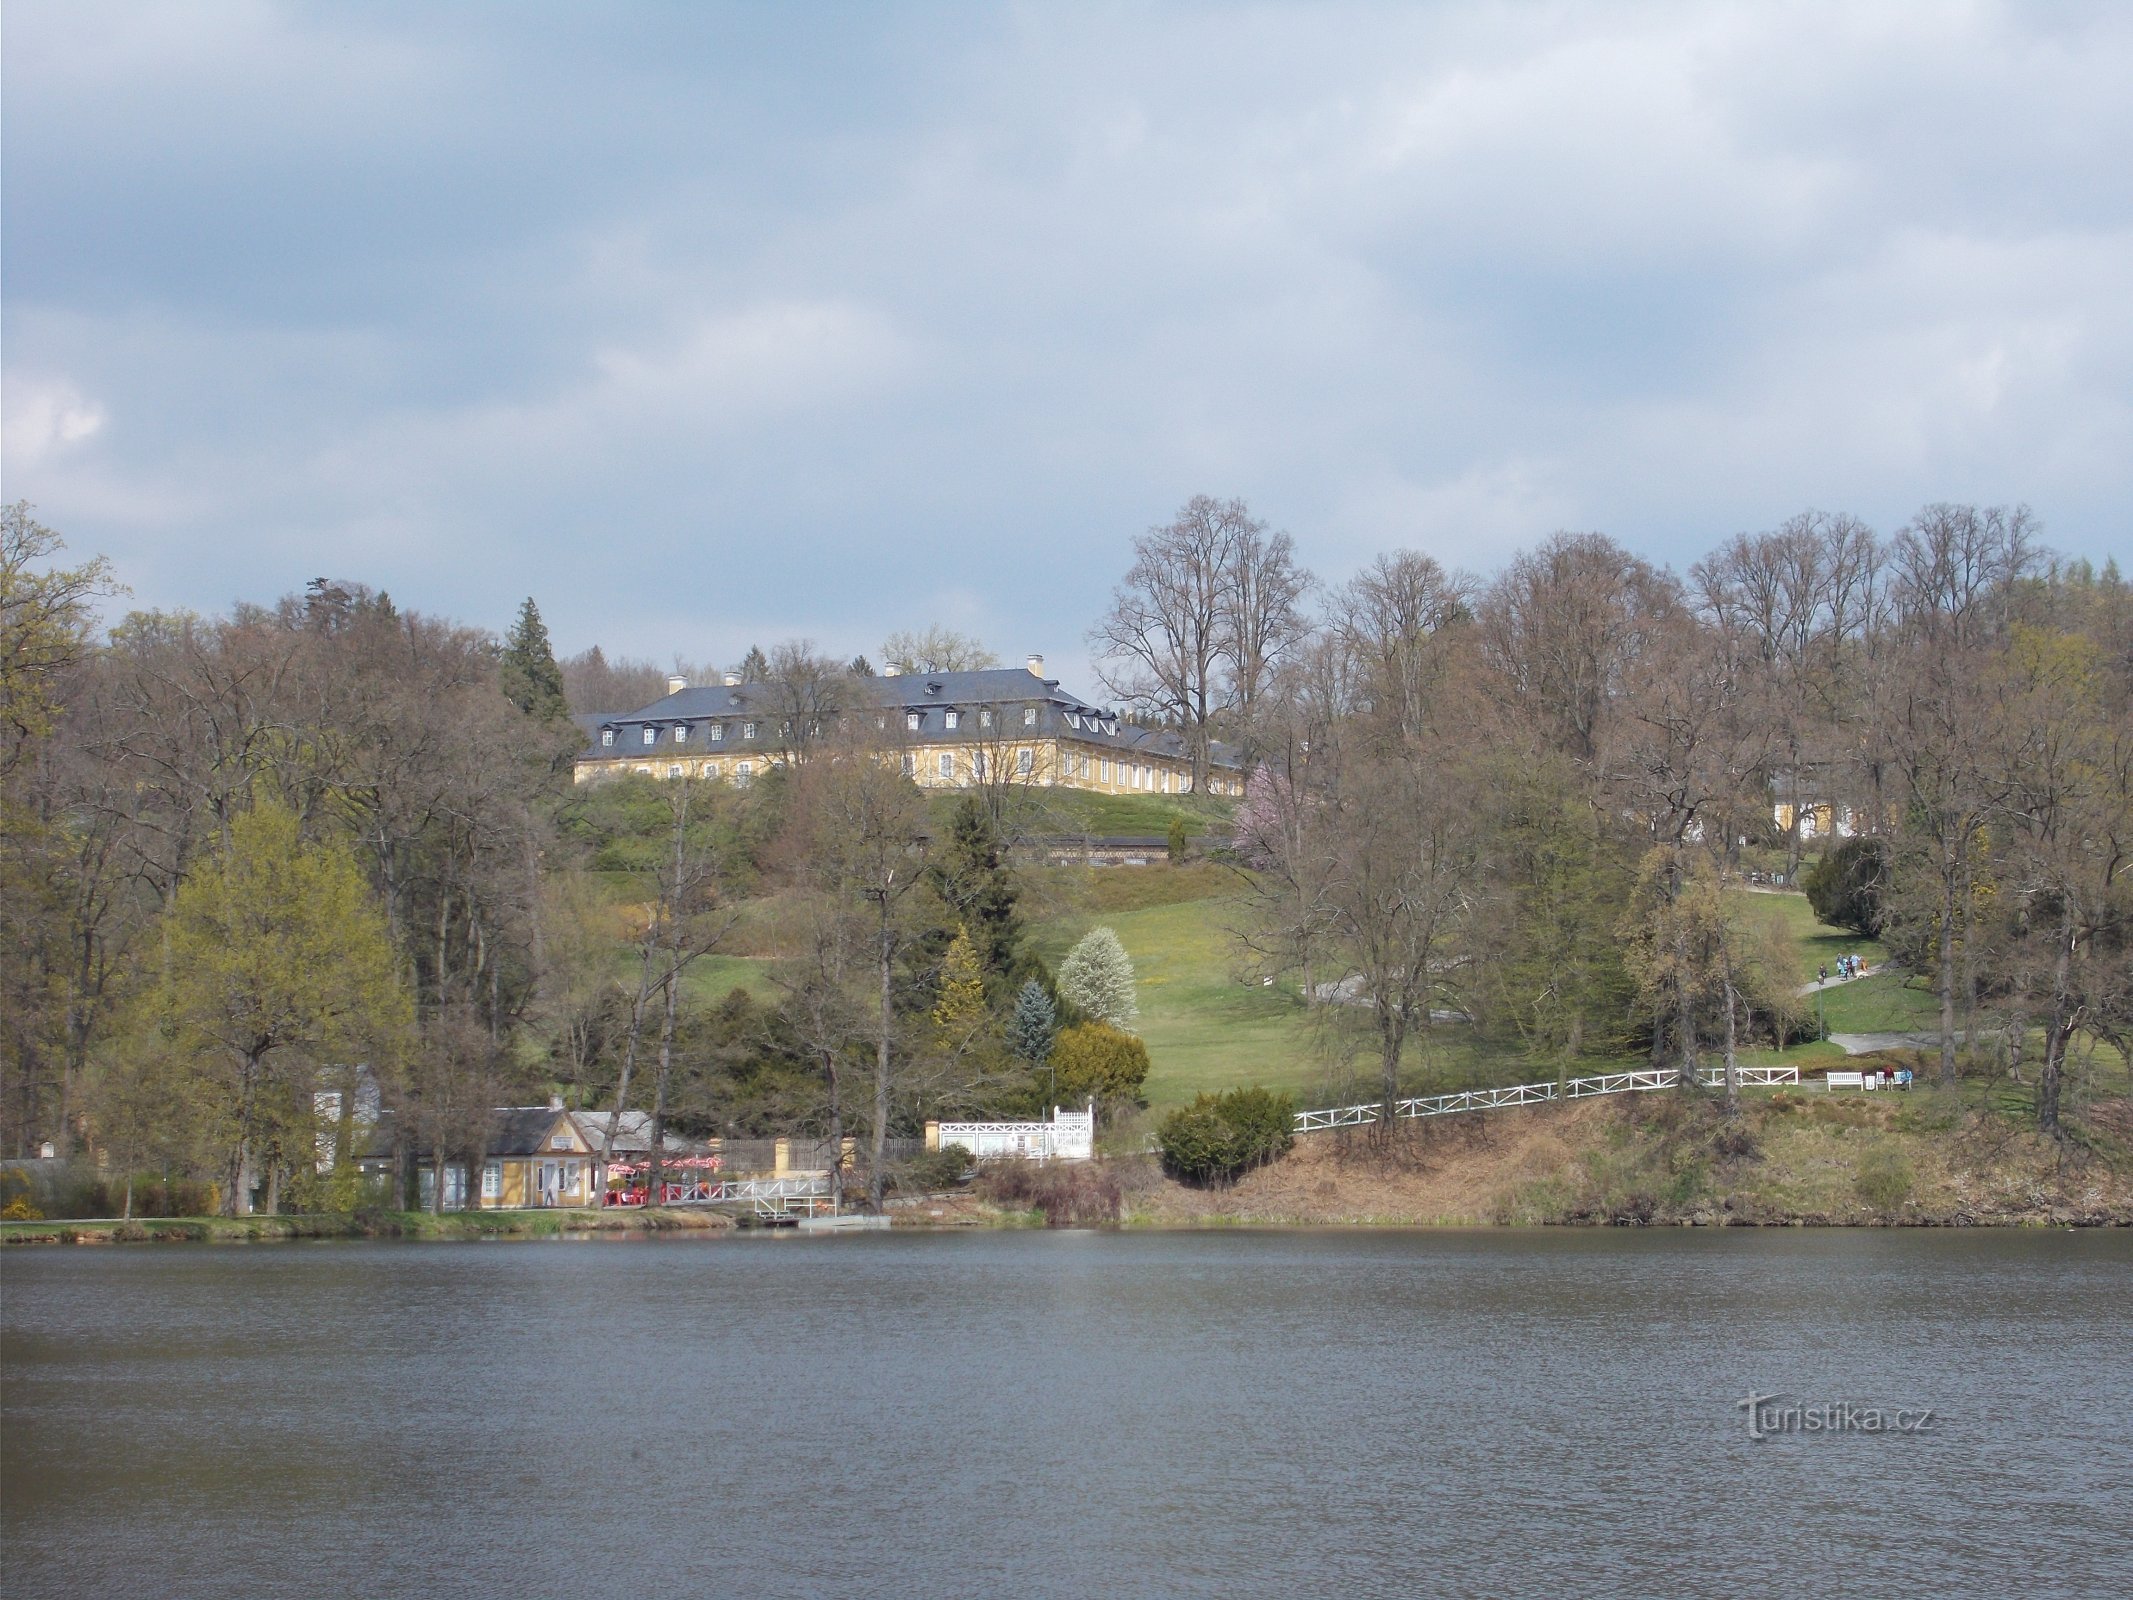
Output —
(713, 325)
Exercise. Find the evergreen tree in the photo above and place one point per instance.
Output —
(1035, 1024)
(1097, 976)
(755, 666)
(979, 888)
(961, 1003)
(531, 679)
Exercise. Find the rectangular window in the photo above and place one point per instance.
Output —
(1105, 764)
(742, 772)
(718, 733)
(1025, 762)
(492, 1180)
(559, 1141)
(946, 765)
(607, 737)
(747, 730)
(651, 735)
(710, 769)
(951, 719)
(912, 720)
(674, 771)
(977, 765)
(910, 765)
(681, 734)
(985, 718)
(1029, 716)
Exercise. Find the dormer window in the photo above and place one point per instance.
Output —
(607, 738)
(718, 733)
(951, 719)
(1029, 716)
(747, 730)
(985, 717)
(651, 734)
(912, 719)
(681, 734)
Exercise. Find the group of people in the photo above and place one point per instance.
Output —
(1848, 967)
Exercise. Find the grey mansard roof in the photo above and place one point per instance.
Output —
(1003, 690)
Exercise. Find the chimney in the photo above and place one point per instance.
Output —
(555, 1102)
(676, 683)
(732, 680)
(892, 670)
(1036, 666)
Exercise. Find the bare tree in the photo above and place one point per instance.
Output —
(936, 649)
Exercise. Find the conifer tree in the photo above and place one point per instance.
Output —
(1035, 1024)
(961, 1004)
(1097, 976)
(531, 679)
(979, 888)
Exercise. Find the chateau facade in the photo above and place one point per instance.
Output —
(951, 730)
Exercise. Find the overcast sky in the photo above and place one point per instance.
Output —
(712, 325)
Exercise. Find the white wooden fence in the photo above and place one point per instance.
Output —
(1069, 1136)
(1526, 1094)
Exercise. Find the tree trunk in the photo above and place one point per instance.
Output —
(881, 1067)
(1732, 1060)
(1946, 977)
(836, 1133)
(2061, 1029)
(659, 1098)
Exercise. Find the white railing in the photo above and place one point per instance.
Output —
(1069, 1136)
(1526, 1094)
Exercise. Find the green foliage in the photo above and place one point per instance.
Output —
(1175, 840)
(1883, 1178)
(530, 678)
(1097, 1062)
(978, 889)
(1218, 1138)
(933, 1171)
(1097, 976)
(1035, 1024)
(1848, 887)
(960, 1007)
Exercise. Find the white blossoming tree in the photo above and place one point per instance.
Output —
(1097, 976)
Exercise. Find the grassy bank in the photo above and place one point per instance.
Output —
(1957, 1158)
(367, 1225)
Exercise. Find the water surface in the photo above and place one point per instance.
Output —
(1496, 1413)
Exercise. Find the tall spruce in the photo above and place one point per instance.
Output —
(1034, 1025)
(977, 885)
(531, 679)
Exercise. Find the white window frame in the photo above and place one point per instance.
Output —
(607, 738)
(912, 720)
(681, 733)
(1029, 716)
(675, 770)
(492, 1180)
(718, 733)
(1025, 762)
(651, 734)
(951, 719)
(985, 717)
(910, 765)
(747, 730)
(944, 764)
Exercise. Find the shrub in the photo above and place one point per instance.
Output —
(1071, 1194)
(936, 1169)
(1219, 1137)
(1847, 887)
(1883, 1179)
(1176, 840)
(1100, 1063)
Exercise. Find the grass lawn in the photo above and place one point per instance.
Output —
(1816, 943)
(1884, 1003)
(1069, 811)
(1204, 1029)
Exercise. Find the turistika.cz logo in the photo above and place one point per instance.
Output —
(1769, 1415)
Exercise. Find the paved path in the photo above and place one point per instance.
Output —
(1865, 1044)
(1838, 983)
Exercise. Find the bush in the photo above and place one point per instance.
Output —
(1176, 840)
(1883, 1180)
(1219, 1137)
(936, 1169)
(1098, 1062)
(1071, 1194)
(1848, 886)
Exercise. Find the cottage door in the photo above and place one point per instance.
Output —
(551, 1183)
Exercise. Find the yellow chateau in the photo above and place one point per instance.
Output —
(953, 730)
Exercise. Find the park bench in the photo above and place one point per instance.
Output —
(1846, 1080)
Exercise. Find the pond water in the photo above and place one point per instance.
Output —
(1224, 1413)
